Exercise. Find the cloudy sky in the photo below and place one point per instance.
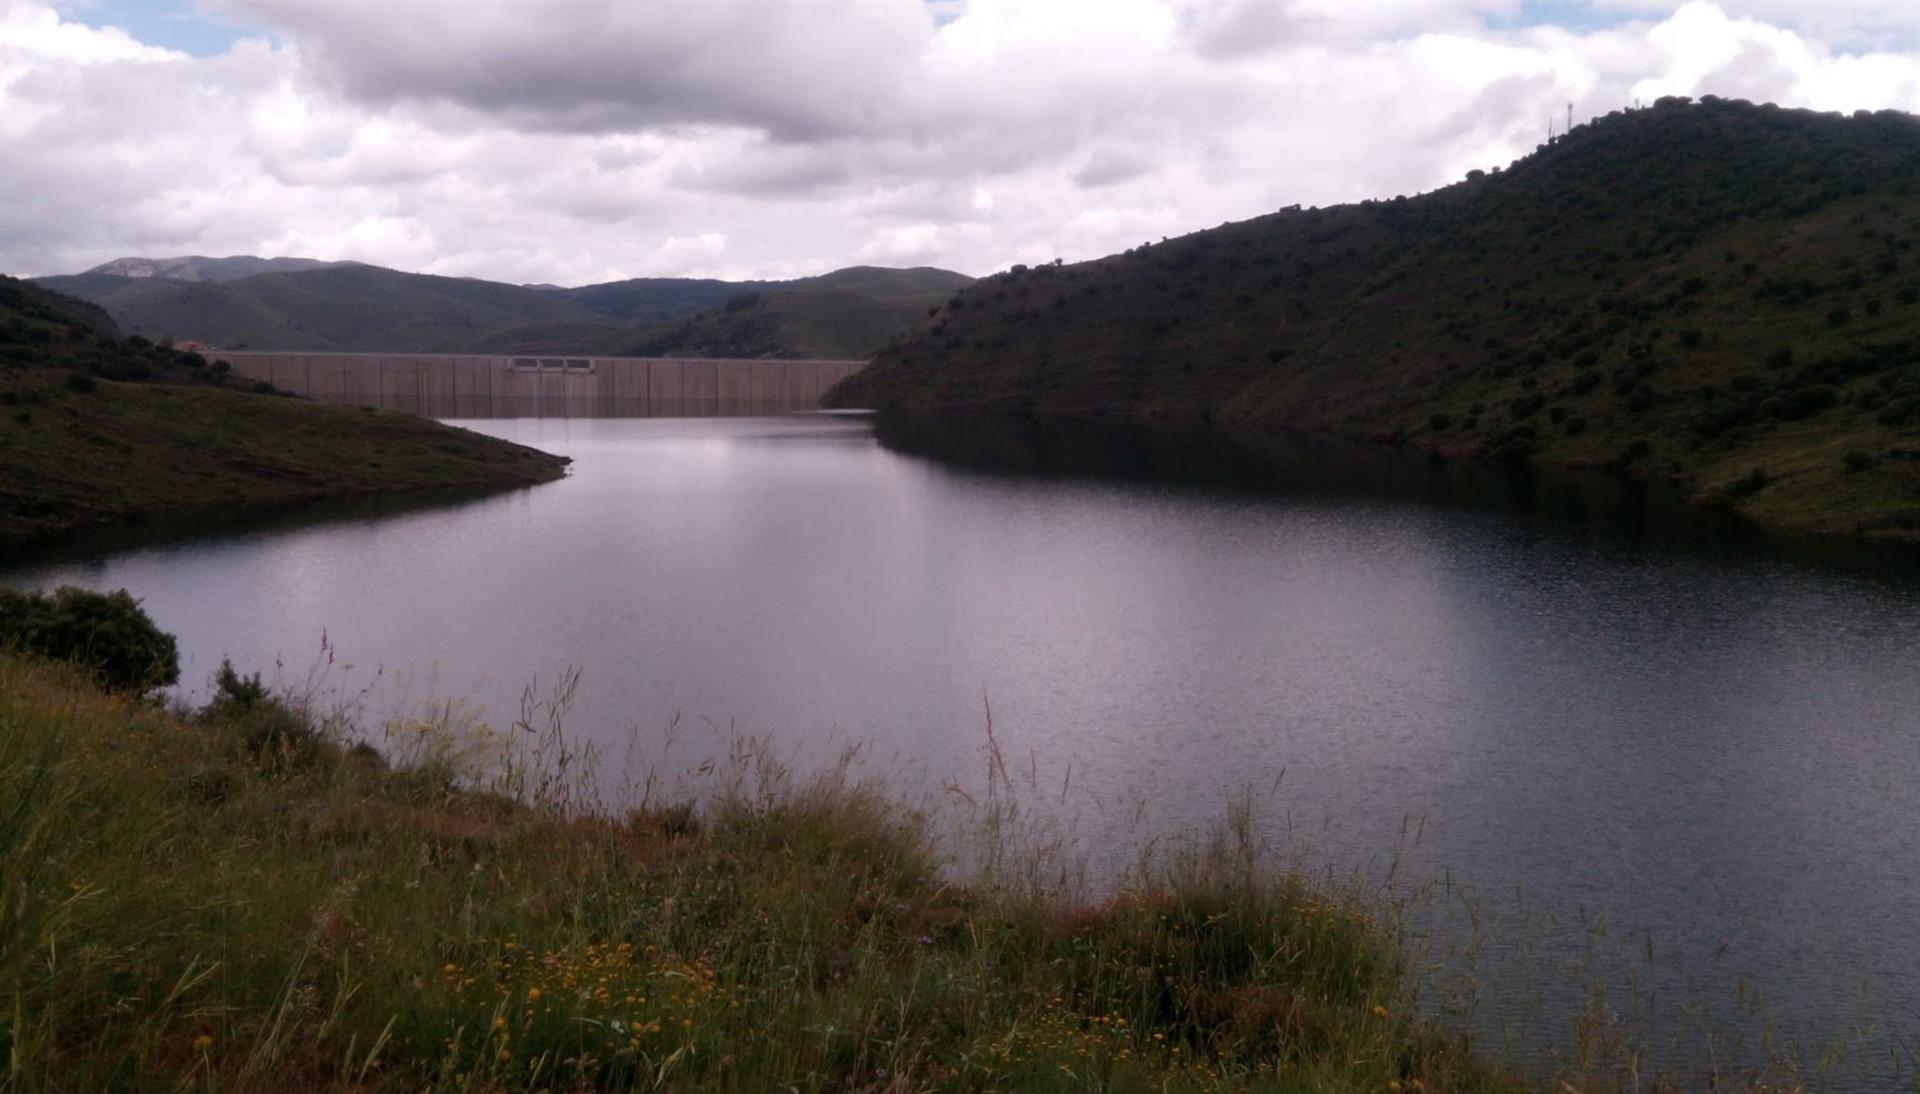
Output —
(585, 141)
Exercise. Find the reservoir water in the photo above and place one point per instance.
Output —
(1651, 743)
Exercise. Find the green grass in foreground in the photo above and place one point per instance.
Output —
(247, 897)
(229, 900)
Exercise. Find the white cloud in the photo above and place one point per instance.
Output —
(591, 141)
(32, 29)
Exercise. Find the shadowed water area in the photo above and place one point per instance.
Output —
(1691, 749)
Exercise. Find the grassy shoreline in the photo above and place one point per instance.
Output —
(251, 894)
(229, 897)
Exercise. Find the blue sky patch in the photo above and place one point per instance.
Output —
(172, 24)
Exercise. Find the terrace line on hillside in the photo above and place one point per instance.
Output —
(472, 386)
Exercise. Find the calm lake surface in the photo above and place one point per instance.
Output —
(1626, 728)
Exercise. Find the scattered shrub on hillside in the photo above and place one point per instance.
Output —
(1857, 460)
(267, 726)
(1839, 317)
(1749, 484)
(1439, 422)
(105, 633)
(122, 368)
(1515, 445)
(80, 382)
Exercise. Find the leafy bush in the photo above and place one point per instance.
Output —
(266, 725)
(106, 633)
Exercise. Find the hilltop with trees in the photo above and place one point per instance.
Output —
(1716, 292)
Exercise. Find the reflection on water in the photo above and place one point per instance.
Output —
(481, 407)
(1570, 686)
(1310, 465)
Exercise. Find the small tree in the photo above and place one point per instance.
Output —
(105, 633)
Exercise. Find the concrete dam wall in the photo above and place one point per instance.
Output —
(463, 386)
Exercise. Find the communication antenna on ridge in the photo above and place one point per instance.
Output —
(1569, 117)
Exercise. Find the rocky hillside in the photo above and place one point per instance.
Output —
(1724, 293)
(202, 268)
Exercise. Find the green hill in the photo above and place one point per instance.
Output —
(1719, 292)
(849, 313)
(95, 430)
(881, 282)
(27, 310)
(342, 308)
(651, 299)
(353, 307)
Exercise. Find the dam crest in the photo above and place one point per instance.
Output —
(484, 386)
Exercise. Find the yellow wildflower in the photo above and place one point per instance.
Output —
(203, 1042)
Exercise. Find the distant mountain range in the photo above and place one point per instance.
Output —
(302, 303)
